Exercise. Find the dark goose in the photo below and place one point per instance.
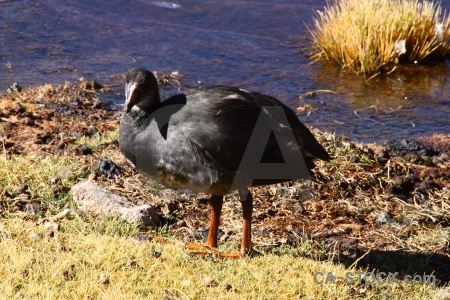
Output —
(214, 140)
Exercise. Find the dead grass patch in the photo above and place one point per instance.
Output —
(373, 37)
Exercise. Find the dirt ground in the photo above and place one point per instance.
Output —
(379, 206)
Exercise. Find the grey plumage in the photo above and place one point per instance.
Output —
(197, 140)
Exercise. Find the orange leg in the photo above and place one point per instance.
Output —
(247, 208)
(216, 204)
(246, 244)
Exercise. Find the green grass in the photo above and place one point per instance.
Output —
(37, 173)
(362, 35)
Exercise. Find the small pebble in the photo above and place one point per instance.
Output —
(48, 225)
(108, 168)
(49, 233)
(15, 87)
(92, 131)
(227, 287)
(34, 236)
(142, 238)
(156, 254)
(18, 108)
(104, 279)
(384, 218)
(95, 85)
(209, 281)
(132, 264)
(66, 275)
(83, 150)
(54, 180)
(77, 102)
(186, 283)
(384, 154)
(27, 121)
(355, 159)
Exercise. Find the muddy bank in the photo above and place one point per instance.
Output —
(379, 200)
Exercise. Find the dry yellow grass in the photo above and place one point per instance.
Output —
(100, 258)
(366, 37)
(30, 178)
(79, 263)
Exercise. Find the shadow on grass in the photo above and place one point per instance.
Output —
(403, 263)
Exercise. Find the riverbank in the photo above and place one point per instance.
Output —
(375, 207)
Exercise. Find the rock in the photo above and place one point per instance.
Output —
(227, 287)
(83, 150)
(95, 85)
(54, 180)
(354, 159)
(401, 147)
(94, 199)
(202, 234)
(49, 226)
(142, 238)
(107, 168)
(156, 254)
(27, 121)
(384, 154)
(92, 131)
(21, 189)
(15, 87)
(34, 236)
(384, 218)
(186, 283)
(67, 275)
(104, 279)
(91, 85)
(132, 264)
(209, 282)
(18, 108)
(144, 213)
(49, 234)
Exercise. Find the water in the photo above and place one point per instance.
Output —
(256, 45)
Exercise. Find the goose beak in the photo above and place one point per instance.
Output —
(129, 96)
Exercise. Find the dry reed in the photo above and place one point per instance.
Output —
(373, 37)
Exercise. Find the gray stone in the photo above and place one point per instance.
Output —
(144, 213)
(95, 199)
(384, 218)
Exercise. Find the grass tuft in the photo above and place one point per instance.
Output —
(31, 179)
(373, 37)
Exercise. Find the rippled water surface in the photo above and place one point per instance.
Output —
(257, 45)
